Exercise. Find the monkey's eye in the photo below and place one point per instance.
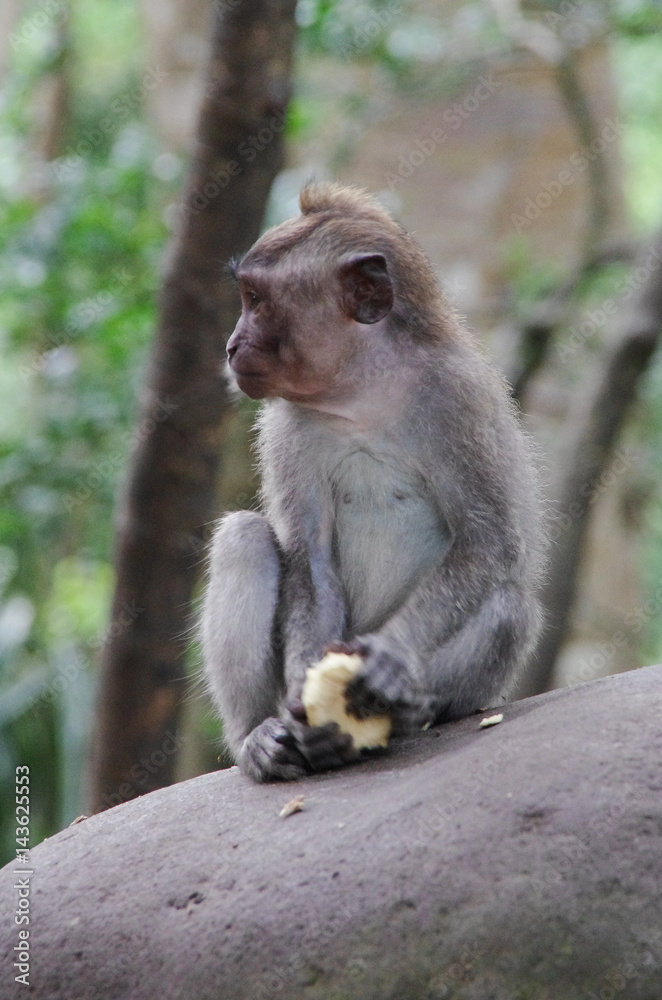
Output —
(253, 299)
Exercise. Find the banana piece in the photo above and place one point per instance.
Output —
(323, 696)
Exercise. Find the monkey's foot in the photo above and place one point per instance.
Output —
(270, 753)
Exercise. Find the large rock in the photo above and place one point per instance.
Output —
(515, 862)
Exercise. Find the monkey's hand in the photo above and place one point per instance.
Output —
(383, 686)
(322, 747)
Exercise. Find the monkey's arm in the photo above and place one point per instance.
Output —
(430, 663)
(312, 609)
(463, 632)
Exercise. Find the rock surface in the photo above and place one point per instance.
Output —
(519, 861)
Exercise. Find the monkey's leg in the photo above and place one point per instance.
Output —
(243, 670)
(477, 666)
(468, 671)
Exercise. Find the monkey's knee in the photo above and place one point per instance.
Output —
(243, 545)
(244, 568)
(242, 593)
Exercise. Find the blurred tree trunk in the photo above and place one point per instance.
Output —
(50, 100)
(10, 12)
(177, 36)
(53, 104)
(548, 315)
(608, 400)
(169, 497)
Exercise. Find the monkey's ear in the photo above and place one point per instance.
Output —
(367, 292)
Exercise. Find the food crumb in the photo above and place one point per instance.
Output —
(295, 805)
(492, 720)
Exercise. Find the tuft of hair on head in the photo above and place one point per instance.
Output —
(336, 199)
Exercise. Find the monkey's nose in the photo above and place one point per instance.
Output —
(231, 349)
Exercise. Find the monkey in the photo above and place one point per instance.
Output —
(400, 513)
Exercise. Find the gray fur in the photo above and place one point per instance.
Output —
(400, 517)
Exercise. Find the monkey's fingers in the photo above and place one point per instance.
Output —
(288, 764)
(271, 753)
(288, 752)
(326, 747)
(261, 766)
(380, 686)
(285, 739)
(363, 701)
(296, 709)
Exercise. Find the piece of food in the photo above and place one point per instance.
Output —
(323, 696)
(295, 805)
(492, 720)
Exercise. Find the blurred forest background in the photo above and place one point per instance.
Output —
(521, 145)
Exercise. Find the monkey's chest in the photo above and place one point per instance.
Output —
(387, 533)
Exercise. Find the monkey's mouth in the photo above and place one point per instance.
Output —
(251, 382)
(244, 370)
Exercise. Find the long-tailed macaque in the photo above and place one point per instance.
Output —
(400, 514)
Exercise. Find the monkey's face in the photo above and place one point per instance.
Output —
(300, 332)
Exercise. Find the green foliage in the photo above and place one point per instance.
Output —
(397, 38)
(79, 252)
(637, 53)
(529, 281)
(637, 18)
(638, 64)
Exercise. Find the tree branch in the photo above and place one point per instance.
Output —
(551, 313)
(589, 452)
(537, 332)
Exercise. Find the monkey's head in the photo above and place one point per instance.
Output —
(319, 292)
